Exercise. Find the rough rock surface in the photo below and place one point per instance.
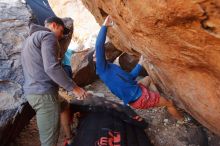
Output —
(13, 31)
(14, 110)
(111, 52)
(83, 68)
(181, 41)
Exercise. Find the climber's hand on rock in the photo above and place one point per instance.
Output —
(141, 60)
(80, 93)
(108, 21)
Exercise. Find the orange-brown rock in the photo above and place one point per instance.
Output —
(181, 41)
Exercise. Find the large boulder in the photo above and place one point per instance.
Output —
(15, 113)
(181, 41)
(83, 68)
(111, 52)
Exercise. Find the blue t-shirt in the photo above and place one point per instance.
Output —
(67, 57)
(120, 83)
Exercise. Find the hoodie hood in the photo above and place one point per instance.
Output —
(35, 28)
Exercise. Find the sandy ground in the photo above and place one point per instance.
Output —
(163, 130)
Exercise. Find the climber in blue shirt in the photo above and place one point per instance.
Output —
(123, 84)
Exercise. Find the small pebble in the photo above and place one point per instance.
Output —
(165, 120)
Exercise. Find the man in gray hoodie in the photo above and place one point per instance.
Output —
(43, 75)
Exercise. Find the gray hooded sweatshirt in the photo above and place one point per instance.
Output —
(42, 71)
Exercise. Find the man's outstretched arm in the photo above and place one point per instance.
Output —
(100, 42)
(100, 50)
(137, 69)
(53, 68)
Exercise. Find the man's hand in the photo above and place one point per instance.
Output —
(141, 60)
(108, 21)
(80, 93)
